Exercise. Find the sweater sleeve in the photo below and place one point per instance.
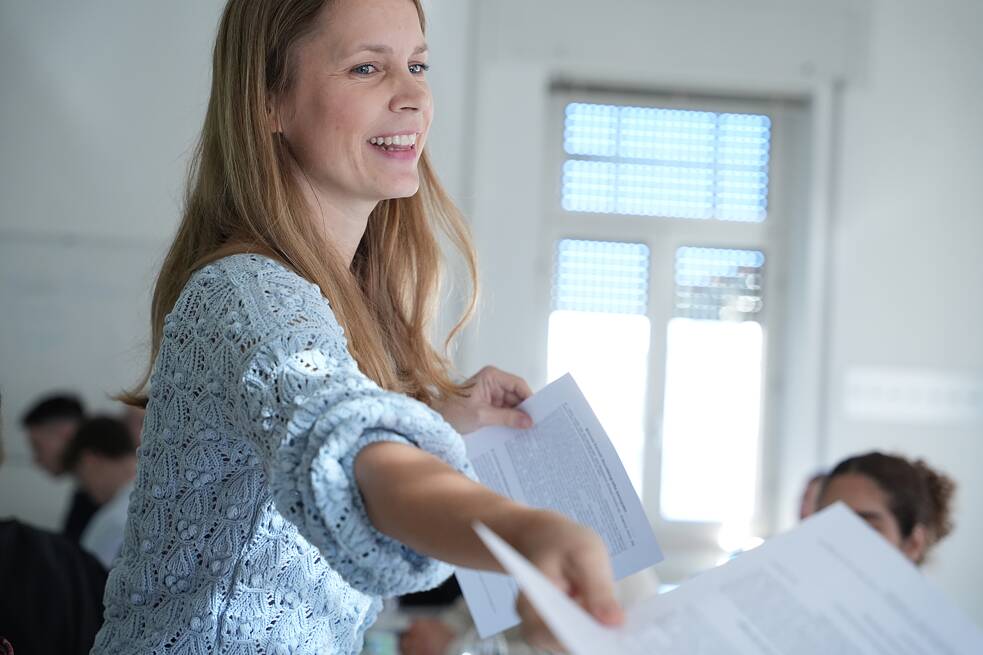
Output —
(300, 398)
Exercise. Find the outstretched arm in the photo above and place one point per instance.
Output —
(419, 500)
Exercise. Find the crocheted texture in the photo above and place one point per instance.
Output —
(246, 532)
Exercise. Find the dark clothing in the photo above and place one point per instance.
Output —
(79, 513)
(50, 592)
(443, 595)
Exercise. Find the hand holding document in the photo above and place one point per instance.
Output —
(832, 585)
(567, 464)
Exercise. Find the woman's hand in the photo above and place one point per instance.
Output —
(492, 396)
(575, 559)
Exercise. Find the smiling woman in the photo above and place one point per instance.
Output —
(301, 454)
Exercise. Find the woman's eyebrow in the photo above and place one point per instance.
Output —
(384, 49)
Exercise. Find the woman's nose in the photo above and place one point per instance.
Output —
(411, 94)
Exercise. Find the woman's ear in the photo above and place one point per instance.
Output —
(916, 544)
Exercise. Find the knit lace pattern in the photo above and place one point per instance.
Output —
(246, 532)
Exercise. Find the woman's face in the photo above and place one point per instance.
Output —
(871, 503)
(359, 109)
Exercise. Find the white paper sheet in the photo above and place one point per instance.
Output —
(832, 585)
(566, 463)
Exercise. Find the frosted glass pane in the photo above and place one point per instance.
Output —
(647, 190)
(720, 284)
(591, 129)
(607, 354)
(601, 276)
(588, 186)
(711, 420)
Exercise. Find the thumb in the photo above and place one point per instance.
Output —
(512, 418)
(595, 584)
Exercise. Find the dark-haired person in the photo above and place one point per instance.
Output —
(103, 458)
(50, 592)
(50, 425)
(907, 502)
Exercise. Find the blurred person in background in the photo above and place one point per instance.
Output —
(50, 425)
(906, 501)
(102, 455)
(50, 591)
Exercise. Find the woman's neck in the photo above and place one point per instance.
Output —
(341, 221)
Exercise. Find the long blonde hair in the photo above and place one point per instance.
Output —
(241, 196)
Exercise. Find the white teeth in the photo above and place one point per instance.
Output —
(398, 140)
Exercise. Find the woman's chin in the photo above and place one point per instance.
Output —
(406, 190)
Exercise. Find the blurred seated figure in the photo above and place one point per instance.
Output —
(103, 457)
(906, 501)
(50, 592)
(810, 495)
(50, 425)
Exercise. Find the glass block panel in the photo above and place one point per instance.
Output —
(591, 129)
(647, 190)
(601, 276)
(589, 186)
(667, 135)
(718, 284)
(666, 162)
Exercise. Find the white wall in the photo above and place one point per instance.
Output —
(102, 101)
(909, 224)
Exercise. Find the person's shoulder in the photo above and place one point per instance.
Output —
(245, 280)
(252, 294)
(251, 269)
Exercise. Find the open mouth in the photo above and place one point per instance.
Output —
(395, 143)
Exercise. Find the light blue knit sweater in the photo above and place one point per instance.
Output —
(246, 532)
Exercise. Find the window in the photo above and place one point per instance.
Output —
(662, 223)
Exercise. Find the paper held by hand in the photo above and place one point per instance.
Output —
(832, 585)
(565, 463)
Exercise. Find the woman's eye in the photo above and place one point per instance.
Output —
(419, 69)
(364, 69)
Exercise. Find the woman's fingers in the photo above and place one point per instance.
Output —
(591, 576)
(503, 388)
(512, 418)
